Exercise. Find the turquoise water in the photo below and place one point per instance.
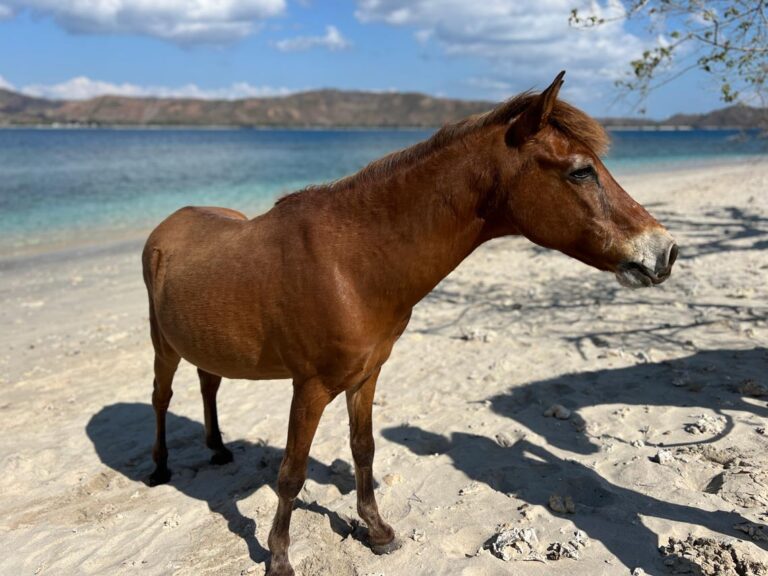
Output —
(87, 185)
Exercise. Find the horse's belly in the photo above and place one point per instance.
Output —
(246, 371)
(235, 346)
(256, 362)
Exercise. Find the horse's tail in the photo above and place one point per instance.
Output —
(152, 268)
(151, 259)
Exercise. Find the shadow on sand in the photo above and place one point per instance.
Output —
(722, 229)
(556, 305)
(123, 434)
(707, 379)
(606, 512)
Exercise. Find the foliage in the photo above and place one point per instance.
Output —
(727, 39)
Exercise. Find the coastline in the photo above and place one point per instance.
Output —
(75, 248)
(69, 243)
(350, 128)
(462, 442)
(221, 127)
(104, 239)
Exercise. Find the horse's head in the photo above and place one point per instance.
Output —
(553, 188)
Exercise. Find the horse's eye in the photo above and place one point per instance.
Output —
(582, 174)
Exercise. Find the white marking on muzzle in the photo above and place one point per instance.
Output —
(647, 259)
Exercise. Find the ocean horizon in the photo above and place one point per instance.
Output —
(75, 185)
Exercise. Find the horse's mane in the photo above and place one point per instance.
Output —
(568, 119)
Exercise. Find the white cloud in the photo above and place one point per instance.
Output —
(525, 42)
(5, 84)
(493, 84)
(333, 40)
(82, 87)
(6, 12)
(180, 21)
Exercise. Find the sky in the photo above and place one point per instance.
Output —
(473, 49)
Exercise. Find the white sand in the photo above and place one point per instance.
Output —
(462, 442)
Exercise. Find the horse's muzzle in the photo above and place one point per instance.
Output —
(651, 261)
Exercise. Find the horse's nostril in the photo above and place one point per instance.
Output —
(672, 255)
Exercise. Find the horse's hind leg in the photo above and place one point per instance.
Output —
(165, 368)
(209, 386)
(381, 537)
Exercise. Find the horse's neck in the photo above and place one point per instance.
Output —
(419, 222)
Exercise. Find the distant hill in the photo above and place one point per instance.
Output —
(20, 109)
(319, 108)
(738, 115)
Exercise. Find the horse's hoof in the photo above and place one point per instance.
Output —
(160, 476)
(388, 548)
(222, 457)
(280, 570)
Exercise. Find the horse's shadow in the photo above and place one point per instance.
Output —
(707, 379)
(123, 433)
(606, 512)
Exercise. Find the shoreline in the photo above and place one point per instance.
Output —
(352, 128)
(222, 127)
(83, 243)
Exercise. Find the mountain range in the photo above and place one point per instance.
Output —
(319, 108)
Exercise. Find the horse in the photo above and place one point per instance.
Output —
(320, 287)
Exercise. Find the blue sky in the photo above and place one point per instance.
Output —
(236, 48)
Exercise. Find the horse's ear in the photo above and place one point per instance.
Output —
(536, 116)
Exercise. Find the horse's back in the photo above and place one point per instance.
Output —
(180, 223)
(187, 228)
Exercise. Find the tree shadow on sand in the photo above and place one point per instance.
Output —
(717, 230)
(670, 319)
(667, 322)
(707, 379)
(123, 434)
(606, 512)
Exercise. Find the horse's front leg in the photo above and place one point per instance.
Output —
(360, 407)
(310, 397)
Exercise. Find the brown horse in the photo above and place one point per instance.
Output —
(319, 288)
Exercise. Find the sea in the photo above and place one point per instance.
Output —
(80, 187)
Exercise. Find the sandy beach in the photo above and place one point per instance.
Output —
(660, 432)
